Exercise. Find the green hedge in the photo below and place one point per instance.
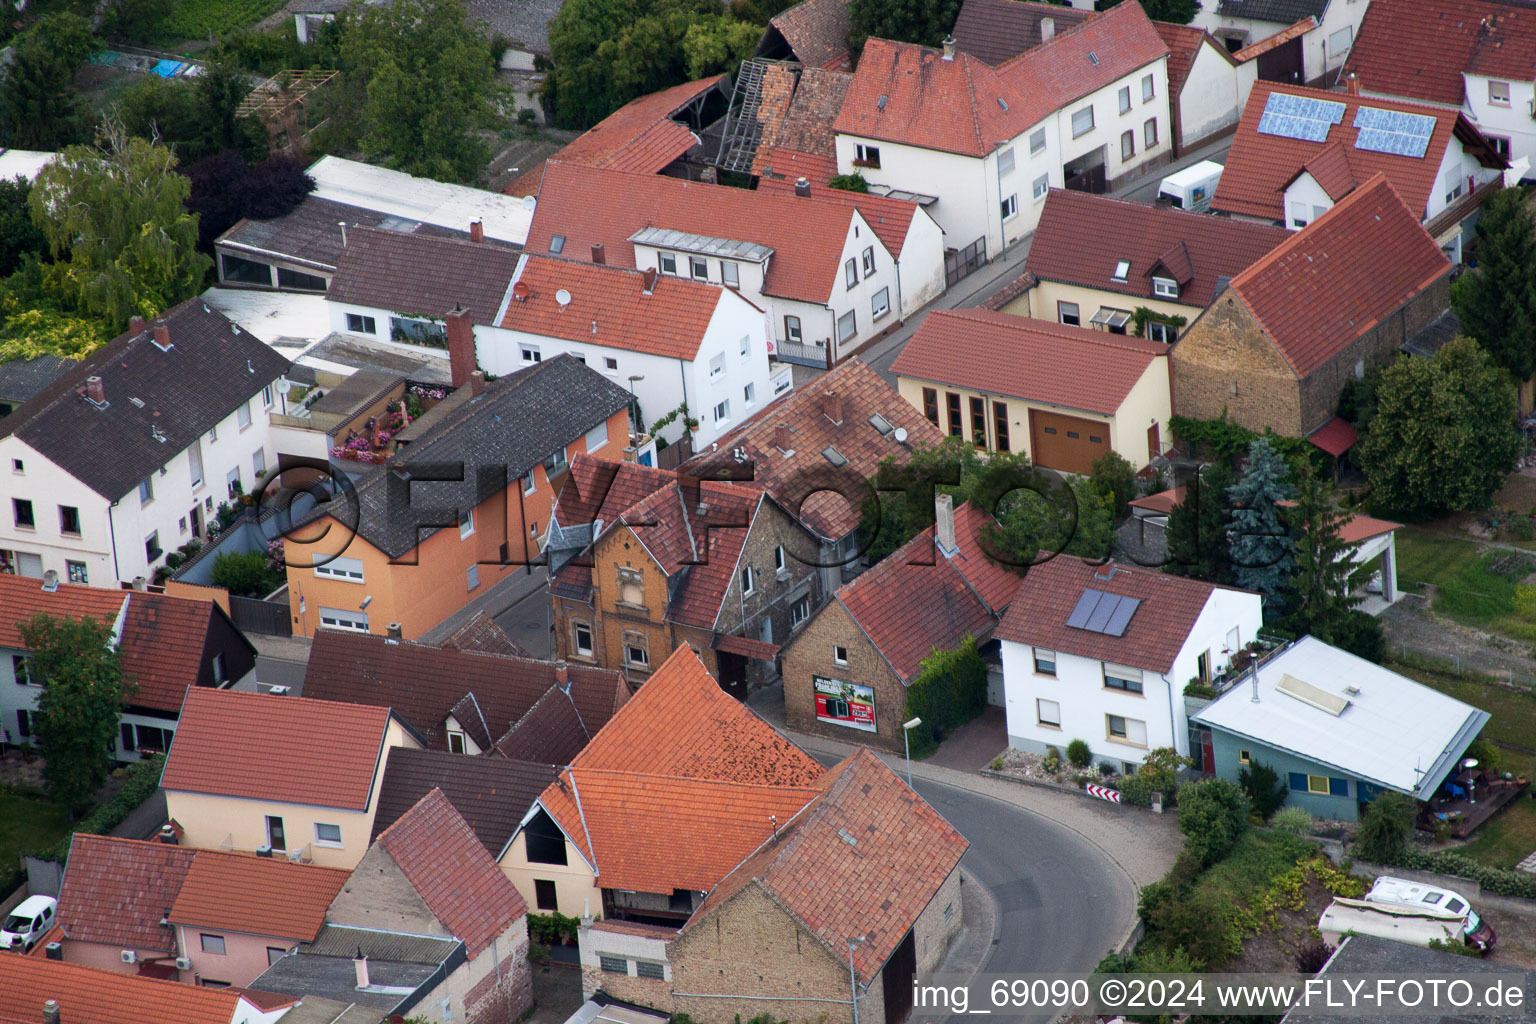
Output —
(1230, 441)
(950, 690)
(143, 780)
(1502, 881)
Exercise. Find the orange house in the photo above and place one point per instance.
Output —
(412, 545)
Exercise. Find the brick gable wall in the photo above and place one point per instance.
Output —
(1224, 361)
(811, 655)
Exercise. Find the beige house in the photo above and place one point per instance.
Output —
(279, 775)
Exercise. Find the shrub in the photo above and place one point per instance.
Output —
(1114, 963)
(1155, 959)
(1079, 754)
(143, 780)
(1503, 881)
(1153, 895)
(1311, 957)
(552, 928)
(849, 182)
(1201, 921)
(1213, 813)
(950, 690)
(1115, 479)
(1159, 773)
(1266, 793)
(1384, 830)
(1293, 821)
(1459, 948)
(245, 574)
(1488, 757)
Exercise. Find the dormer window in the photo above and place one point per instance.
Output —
(1165, 288)
(1122, 271)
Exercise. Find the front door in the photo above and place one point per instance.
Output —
(896, 981)
(1282, 64)
(195, 517)
(733, 673)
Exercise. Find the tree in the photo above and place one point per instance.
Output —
(1213, 814)
(1265, 790)
(1496, 302)
(1385, 828)
(121, 241)
(1197, 528)
(220, 90)
(83, 694)
(1318, 592)
(19, 237)
(246, 574)
(1443, 437)
(226, 188)
(718, 43)
(1115, 478)
(164, 110)
(925, 22)
(37, 103)
(1261, 544)
(1179, 12)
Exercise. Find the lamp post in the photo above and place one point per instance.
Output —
(906, 737)
(853, 984)
(634, 405)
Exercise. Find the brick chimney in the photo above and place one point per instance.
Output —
(783, 437)
(477, 383)
(395, 630)
(136, 325)
(461, 347)
(832, 406)
(563, 675)
(162, 335)
(51, 1011)
(1352, 83)
(168, 834)
(598, 255)
(949, 47)
(944, 523)
(477, 230)
(802, 187)
(95, 390)
(648, 281)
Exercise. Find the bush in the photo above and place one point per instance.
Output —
(143, 780)
(1079, 754)
(950, 690)
(246, 574)
(1155, 959)
(1200, 921)
(552, 928)
(1293, 821)
(1213, 813)
(849, 182)
(1266, 793)
(1488, 757)
(1311, 957)
(1385, 829)
(1153, 895)
(1115, 479)
(1503, 881)
(1159, 773)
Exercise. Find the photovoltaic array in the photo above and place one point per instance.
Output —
(1391, 131)
(1300, 117)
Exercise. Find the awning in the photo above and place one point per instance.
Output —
(747, 648)
(1334, 437)
(1113, 319)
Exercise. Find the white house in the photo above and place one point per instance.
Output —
(1087, 108)
(1308, 53)
(126, 455)
(1208, 85)
(1103, 653)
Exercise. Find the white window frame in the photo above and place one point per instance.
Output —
(320, 840)
(799, 612)
(243, 415)
(792, 331)
(1042, 706)
(868, 260)
(847, 326)
(1133, 728)
(851, 273)
(722, 410)
(748, 582)
(530, 482)
(730, 275)
(341, 568)
(340, 618)
(358, 323)
(266, 397)
(466, 524)
(1159, 331)
(1123, 97)
(666, 262)
(749, 395)
(1165, 288)
(1036, 141)
(1010, 207)
(472, 577)
(146, 491)
(576, 628)
(698, 268)
(1041, 187)
(1077, 132)
(880, 304)
(1005, 161)
(1061, 313)
(717, 365)
(779, 560)
(868, 156)
(530, 353)
(599, 433)
(744, 347)
(1041, 658)
(259, 463)
(839, 654)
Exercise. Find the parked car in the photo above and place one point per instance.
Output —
(1401, 892)
(29, 922)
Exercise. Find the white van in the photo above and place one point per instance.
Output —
(1193, 187)
(1401, 892)
(28, 922)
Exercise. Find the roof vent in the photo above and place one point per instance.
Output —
(50, 581)
(138, 402)
(155, 433)
(249, 368)
(802, 187)
(949, 47)
(520, 291)
(1353, 691)
(563, 297)
(847, 837)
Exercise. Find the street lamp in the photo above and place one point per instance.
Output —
(853, 985)
(906, 736)
(634, 405)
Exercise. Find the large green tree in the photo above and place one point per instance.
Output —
(1197, 528)
(906, 21)
(1443, 437)
(19, 237)
(1179, 12)
(83, 693)
(1496, 302)
(1319, 597)
(1261, 543)
(120, 239)
(37, 103)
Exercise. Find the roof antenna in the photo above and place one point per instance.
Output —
(1254, 673)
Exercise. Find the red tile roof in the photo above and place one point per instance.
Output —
(797, 111)
(817, 31)
(781, 164)
(1036, 360)
(1259, 166)
(289, 749)
(87, 995)
(1330, 169)
(1335, 437)
(588, 204)
(1420, 48)
(1154, 635)
(1162, 502)
(890, 218)
(116, 891)
(1356, 528)
(256, 895)
(671, 321)
(437, 851)
(1341, 275)
(865, 857)
(964, 106)
(1275, 41)
(1184, 42)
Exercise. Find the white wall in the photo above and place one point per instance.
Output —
(1305, 201)
(920, 264)
(1214, 93)
(959, 182)
(1317, 56)
(1514, 121)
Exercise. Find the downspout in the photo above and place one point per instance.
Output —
(112, 531)
(1172, 718)
(682, 373)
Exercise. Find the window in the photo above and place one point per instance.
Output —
(21, 511)
(1317, 784)
(746, 582)
(544, 897)
(457, 743)
(1166, 333)
(613, 964)
(1000, 426)
(146, 490)
(1005, 162)
(232, 483)
(1500, 145)
(1119, 677)
(866, 156)
(667, 262)
(1244, 757)
(220, 676)
(749, 395)
(1455, 193)
(266, 397)
(631, 588)
(195, 467)
(636, 651)
(24, 723)
(869, 260)
(1127, 730)
(1048, 713)
(851, 273)
(1338, 43)
(649, 969)
(1163, 288)
(1125, 99)
(557, 244)
(1041, 186)
(952, 406)
(723, 411)
(69, 519)
(779, 564)
(1068, 313)
(1036, 141)
(17, 466)
(341, 569)
(978, 422)
(327, 835)
(337, 618)
(19, 669)
(212, 943)
(847, 326)
(531, 354)
(1082, 121)
(359, 324)
(1127, 145)
(1148, 88)
(466, 524)
(931, 405)
(274, 954)
(698, 266)
(839, 654)
(610, 363)
(1045, 661)
(1149, 133)
(716, 366)
(583, 633)
(259, 464)
(799, 611)
(1122, 270)
(213, 434)
(275, 838)
(744, 346)
(729, 274)
(152, 546)
(472, 577)
(1010, 206)
(76, 572)
(880, 304)
(792, 328)
(243, 415)
(555, 463)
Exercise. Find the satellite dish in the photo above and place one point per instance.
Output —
(529, 202)
(284, 385)
(563, 297)
(901, 435)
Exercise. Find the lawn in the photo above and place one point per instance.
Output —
(1476, 587)
(26, 824)
(202, 19)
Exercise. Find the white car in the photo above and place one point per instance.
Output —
(29, 922)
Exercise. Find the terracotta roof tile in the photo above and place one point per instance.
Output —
(116, 891)
(999, 30)
(865, 857)
(1341, 275)
(799, 107)
(640, 136)
(257, 895)
(1184, 42)
(1330, 169)
(817, 32)
(1420, 48)
(1274, 42)
(786, 165)
(419, 274)
(482, 634)
(491, 793)
(1036, 360)
(87, 995)
(888, 218)
(263, 747)
(456, 878)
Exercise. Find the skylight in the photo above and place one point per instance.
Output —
(1122, 270)
(1093, 59)
(556, 245)
(881, 424)
(834, 456)
(1328, 703)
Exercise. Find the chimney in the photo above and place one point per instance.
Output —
(563, 676)
(802, 187)
(136, 325)
(708, 176)
(51, 1011)
(783, 437)
(395, 631)
(461, 347)
(1352, 83)
(360, 968)
(95, 390)
(832, 406)
(168, 834)
(648, 281)
(949, 47)
(477, 384)
(598, 255)
(162, 335)
(944, 522)
(1047, 28)
(477, 230)
(141, 583)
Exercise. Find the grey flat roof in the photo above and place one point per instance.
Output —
(334, 977)
(665, 238)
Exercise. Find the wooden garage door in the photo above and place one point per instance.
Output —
(1066, 443)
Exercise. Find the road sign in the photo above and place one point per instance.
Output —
(1103, 792)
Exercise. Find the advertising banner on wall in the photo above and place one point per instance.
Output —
(844, 703)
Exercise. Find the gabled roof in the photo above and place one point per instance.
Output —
(422, 275)
(1356, 265)
(88, 995)
(817, 32)
(585, 205)
(21, 379)
(1286, 12)
(481, 633)
(1274, 42)
(1420, 48)
(1184, 42)
(789, 475)
(1260, 166)
(551, 731)
(491, 793)
(865, 857)
(1331, 170)
(117, 891)
(256, 895)
(290, 749)
(598, 490)
(996, 31)
(889, 218)
(1036, 360)
(456, 878)
(212, 367)
(797, 111)
(671, 320)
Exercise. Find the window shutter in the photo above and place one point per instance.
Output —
(1298, 782)
(1338, 787)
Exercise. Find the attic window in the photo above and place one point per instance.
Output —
(1122, 270)
(1002, 103)
(881, 424)
(1165, 288)
(880, 103)
(1093, 59)
(834, 456)
(556, 245)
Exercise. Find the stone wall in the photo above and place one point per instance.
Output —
(811, 655)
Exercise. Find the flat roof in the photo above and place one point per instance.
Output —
(505, 218)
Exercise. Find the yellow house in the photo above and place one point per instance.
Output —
(1061, 395)
(279, 776)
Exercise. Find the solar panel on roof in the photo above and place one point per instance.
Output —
(1099, 612)
(1085, 605)
(1124, 609)
(1102, 612)
(1299, 117)
(1393, 131)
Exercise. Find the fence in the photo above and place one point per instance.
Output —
(802, 354)
(960, 263)
(256, 616)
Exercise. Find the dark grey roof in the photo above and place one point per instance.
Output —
(1366, 954)
(362, 354)
(491, 793)
(481, 633)
(335, 977)
(520, 421)
(22, 379)
(422, 276)
(211, 368)
(401, 947)
(1284, 12)
(997, 30)
(1434, 335)
(357, 392)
